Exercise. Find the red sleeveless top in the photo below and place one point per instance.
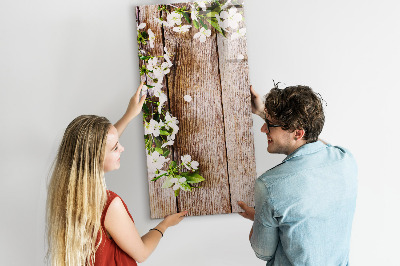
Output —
(108, 253)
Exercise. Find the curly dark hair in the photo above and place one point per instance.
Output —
(297, 107)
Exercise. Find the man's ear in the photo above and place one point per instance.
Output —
(299, 134)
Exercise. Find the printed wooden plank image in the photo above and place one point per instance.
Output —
(197, 114)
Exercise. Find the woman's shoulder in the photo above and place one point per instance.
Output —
(115, 202)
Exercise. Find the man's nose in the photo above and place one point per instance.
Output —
(264, 128)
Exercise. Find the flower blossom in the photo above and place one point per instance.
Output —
(202, 4)
(182, 28)
(230, 19)
(153, 127)
(202, 34)
(141, 26)
(194, 13)
(151, 38)
(238, 34)
(174, 18)
(167, 56)
(187, 98)
(155, 162)
(188, 163)
(162, 99)
(178, 182)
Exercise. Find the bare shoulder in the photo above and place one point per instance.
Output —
(115, 211)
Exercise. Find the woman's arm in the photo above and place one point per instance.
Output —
(122, 229)
(134, 108)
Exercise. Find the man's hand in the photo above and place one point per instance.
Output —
(257, 105)
(248, 211)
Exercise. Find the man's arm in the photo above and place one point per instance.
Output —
(257, 104)
(134, 108)
(264, 235)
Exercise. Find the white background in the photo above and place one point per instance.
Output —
(60, 59)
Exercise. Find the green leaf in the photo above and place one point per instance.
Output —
(203, 24)
(196, 24)
(167, 183)
(158, 142)
(211, 14)
(157, 177)
(176, 192)
(172, 165)
(186, 187)
(215, 24)
(166, 153)
(186, 16)
(164, 133)
(194, 178)
(159, 150)
(145, 109)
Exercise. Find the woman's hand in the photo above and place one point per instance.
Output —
(135, 105)
(134, 108)
(257, 105)
(174, 219)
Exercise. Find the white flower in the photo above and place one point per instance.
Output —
(231, 19)
(240, 57)
(178, 183)
(155, 161)
(165, 68)
(148, 129)
(194, 13)
(156, 126)
(151, 63)
(194, 164)
(182, 28)
(151, 37)
(202, 34)
(141, 26)
(157, 89)
(187, 98)
(170, 120)
(238, 34)
(168, 143)
(202, 4)
(226, 4)
(158, 73)
(162, 22)
(174, 18)
(162, 99)
(186, 159)
(167, 56)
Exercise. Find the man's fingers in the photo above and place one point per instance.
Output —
(243, 205)
(253, 92)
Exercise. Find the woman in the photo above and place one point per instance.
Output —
(87, 224)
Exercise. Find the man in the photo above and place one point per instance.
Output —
(304, 206)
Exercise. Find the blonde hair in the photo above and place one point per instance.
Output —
(77, 193)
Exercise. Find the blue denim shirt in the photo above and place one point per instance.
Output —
(305, 207)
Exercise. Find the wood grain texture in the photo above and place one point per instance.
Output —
(238, 122)
(162, 201)
(201, 131)
(215, 128)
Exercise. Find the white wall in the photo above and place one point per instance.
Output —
(60, 59)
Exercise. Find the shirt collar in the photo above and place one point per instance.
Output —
(306, 149)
